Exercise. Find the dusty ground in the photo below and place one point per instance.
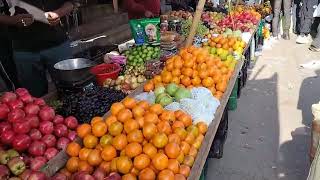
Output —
(269, 133)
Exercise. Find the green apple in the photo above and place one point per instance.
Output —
(16, 166)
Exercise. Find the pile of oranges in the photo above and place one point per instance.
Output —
(138, 141)
(194, 67)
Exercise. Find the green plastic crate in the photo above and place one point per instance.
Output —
(232, 103)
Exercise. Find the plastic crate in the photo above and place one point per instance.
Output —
(232, 103)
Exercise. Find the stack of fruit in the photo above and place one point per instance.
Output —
(211, 20)
(180, 14)
(225, 47)
(30, 126)
(245, 21)
(194, 67)
(138, 56)
(136, 141)
(126, 83)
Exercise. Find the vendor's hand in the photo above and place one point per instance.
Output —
(53, 18)
(21, 20)
(148, 14)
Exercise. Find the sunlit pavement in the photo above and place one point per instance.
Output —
(269, 133)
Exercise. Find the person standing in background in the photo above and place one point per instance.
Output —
(8, 68)
(138, 9)
(38, 46)
(306, 20)
(276, 18)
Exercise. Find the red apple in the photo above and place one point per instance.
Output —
(50, 140)
(33, 121)
(113, 176)
(15, 104)
(59, 176)
(4, 126)
(71, 122)
(26, 159)
(7, 136)
(37, 163)
(47, 114)
(4, 172)
(62, 143)
(37, 175)
(38, 101)
(15, 115)
(35, 134)
(60, 130)
(37, 148)
(31, 109)
(72, 135)
(46, 127)
(21, 142)
(50, 153)
(26, 98)
(4, 111)
(8, 96)
(58, 119)
(25, 175)
(21, 127)
(99, 174)
(21, 91)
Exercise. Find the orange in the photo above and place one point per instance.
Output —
(177, 124)
(151, 117)
(185, 170)
(196, 81)
(193, 151)
(160, 140)
(186, 81)
(167, 116)
(221, 87)
(116, 108)
(133, 149)
(174, 138)
(96, 119)
(135, 136)
(124, 115)
(187, 72)
(124, 164)
(144, 104)
(156, 108)
(129, 176)
(157, 79)
(172, 150)
(115, 128)
(164, 127)
(186, 120)
(147, 174)
(188, 63)
(83, 130)
(160, 161)
(188, 160)
(178, 113)
(141, 161)
(190, 138)
(90, 141)
(108, 153)
(94, 158)
(166, 175)
(174, 165)
(207, 82)
(218, 95)
(178, 63)
(129, 102)
(84, 153)
(179, 177)
(72, 164)
(175, 80)
(85, 166)
(149, 150)
(180, 158)
(149, 130)
(113, 165)
(105, 166)
(176, 72)
(120, 142)
(170, 66)
(185, 147)
(166, 77)
(99, 129)
(73, 149)
(105, 140)
(135, 171)
(149, 86)
(181, 132)
(140, 121)
(130, 125)
(203, 127)
(138, 111)
(203, 73)
(110, 119)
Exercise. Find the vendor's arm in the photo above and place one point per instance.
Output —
(54, 16)
(19, 20)
(135, 7)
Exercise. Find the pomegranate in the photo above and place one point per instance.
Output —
(15, 104)
(8, 96)
(39, 101)
(58, 119)
(26, 98)
(31, 109)
(4, 111)
(21, 91)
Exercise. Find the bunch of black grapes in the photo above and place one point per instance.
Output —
(95, 101)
